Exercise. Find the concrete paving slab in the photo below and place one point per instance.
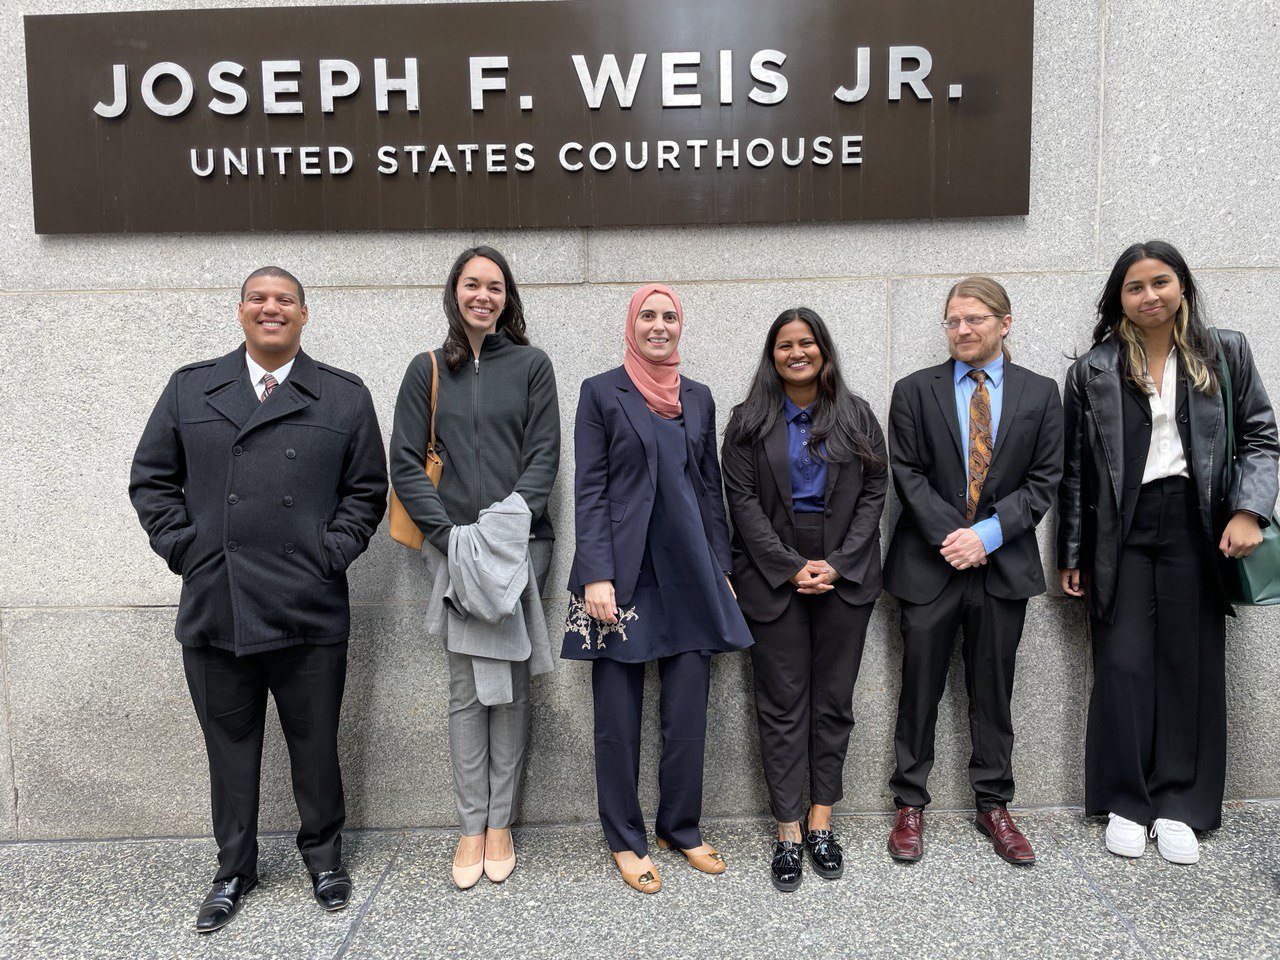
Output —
(566, 899)
(138, 899)
(1223, 906)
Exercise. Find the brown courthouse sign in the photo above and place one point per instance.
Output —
(564, 113)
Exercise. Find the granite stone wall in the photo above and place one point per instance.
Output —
(1145, 124)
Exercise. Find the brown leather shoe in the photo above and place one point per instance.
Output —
(1008, 840)
(906, 839)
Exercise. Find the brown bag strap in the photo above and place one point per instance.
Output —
(435, 387)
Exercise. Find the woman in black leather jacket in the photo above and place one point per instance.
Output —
(1148, 508)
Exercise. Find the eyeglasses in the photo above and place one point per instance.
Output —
(977, 320)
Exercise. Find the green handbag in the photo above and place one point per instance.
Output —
(1253, 580)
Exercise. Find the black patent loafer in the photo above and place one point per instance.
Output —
(825, 853)
(222, 902)
(332, 888)
(785, 869)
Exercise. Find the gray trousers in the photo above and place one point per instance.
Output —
(486, 745)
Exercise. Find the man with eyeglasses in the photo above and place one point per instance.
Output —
(976, 455)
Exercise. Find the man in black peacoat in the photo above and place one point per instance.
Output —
(954, 570)
(259, 478)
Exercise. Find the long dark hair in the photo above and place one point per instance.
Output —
(457, 348)
(841, 419)
(1190, 334)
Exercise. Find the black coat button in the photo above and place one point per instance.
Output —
(288, 501)
(290, 453)
(828, 513)
(237, 450)
(233, 499)
(288, 548)
(232, 546)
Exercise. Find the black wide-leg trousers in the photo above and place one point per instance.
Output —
(992, 628)
(618, 691)
(805, 665)
(1157, 733)
(230, 697)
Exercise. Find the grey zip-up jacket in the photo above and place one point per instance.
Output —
(497, 431)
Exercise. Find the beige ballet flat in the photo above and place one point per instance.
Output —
(464, 878)
(499, 870)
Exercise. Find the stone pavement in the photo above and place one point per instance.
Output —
(136, 898)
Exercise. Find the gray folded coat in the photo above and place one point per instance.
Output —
(485, 601)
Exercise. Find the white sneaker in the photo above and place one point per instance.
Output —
(1124, 837)
(1176, 841)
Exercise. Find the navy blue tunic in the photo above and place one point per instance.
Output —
(682, 602)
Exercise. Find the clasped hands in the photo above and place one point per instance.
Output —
(963, 549)
(816, 576)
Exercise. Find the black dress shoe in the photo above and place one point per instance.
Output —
(222, 902)
(332, 888)
(824, 851)
(785, 869)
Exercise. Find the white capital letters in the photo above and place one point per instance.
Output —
(185, 95)
(898, 77)
(480, 83)
(383, 85)
(219, 78)
(274, 85)
(120, 83)
(609, 76)
(330, 88)
(671, 79)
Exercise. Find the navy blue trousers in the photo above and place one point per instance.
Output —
(618, 691)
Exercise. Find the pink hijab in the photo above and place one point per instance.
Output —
(658, 383)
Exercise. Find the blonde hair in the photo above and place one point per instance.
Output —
(993, 296)
(1202, 379)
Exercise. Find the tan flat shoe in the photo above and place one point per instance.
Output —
(646, 882)
(712, 862)
(499, 870)
(464, 878)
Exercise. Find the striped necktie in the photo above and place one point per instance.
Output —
(979, 441)
(269, 383)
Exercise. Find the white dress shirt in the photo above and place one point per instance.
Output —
(256, 373)
(1165, 457)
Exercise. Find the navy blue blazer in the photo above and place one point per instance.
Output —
(616, 474)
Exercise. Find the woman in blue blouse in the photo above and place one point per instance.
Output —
(805, 470)
(650, 580)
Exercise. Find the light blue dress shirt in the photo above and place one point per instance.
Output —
(988, 530)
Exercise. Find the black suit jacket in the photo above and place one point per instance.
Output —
(616, 476)
(261, 507)
(757, 478)
(931, 477)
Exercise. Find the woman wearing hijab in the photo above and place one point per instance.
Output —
(650, 580)
(806, 471)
